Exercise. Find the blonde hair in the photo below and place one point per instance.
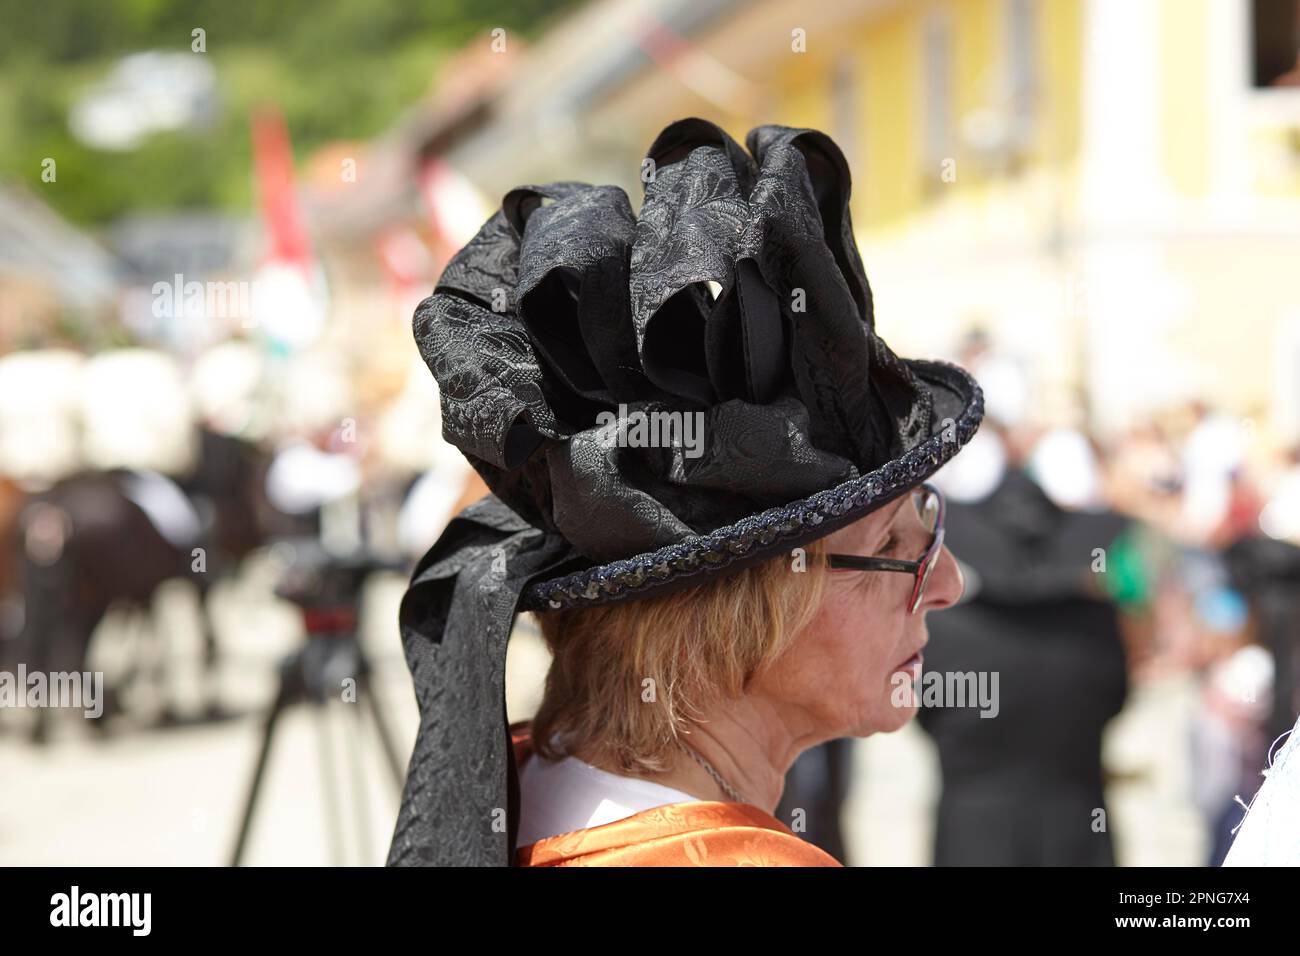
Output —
(626, 678)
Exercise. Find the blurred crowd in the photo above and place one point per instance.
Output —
(1199, 562)
(131, 467)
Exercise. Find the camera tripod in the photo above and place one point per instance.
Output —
(316, 674)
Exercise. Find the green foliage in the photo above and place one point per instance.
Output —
(339, 69)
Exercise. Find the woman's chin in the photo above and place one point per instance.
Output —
(886, 720)
(897, 717)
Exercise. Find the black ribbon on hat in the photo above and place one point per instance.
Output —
(460, 802)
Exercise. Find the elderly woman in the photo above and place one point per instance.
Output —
(708, 481)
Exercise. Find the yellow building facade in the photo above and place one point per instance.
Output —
(1110, 187)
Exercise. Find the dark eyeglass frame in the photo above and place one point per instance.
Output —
(921, 568)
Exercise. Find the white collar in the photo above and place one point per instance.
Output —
(570, 794)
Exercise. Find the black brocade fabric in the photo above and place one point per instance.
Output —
(567, 305)
(457, 805)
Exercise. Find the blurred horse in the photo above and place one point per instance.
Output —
(86, 545)
(228, 488)
(11, 500)
(82, 546)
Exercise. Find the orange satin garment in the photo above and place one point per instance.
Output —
(709, 833)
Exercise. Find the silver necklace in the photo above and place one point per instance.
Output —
(728, 788)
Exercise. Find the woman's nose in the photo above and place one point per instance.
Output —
(946, 583)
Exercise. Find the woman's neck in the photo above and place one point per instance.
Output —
(746, 744)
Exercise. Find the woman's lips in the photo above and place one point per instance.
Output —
(912, 664)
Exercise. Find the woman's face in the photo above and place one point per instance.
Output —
(849, 672)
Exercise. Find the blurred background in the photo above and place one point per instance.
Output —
(220, 454)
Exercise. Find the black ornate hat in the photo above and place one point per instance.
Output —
(732, 320)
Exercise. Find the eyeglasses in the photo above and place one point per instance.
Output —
(928, 501)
